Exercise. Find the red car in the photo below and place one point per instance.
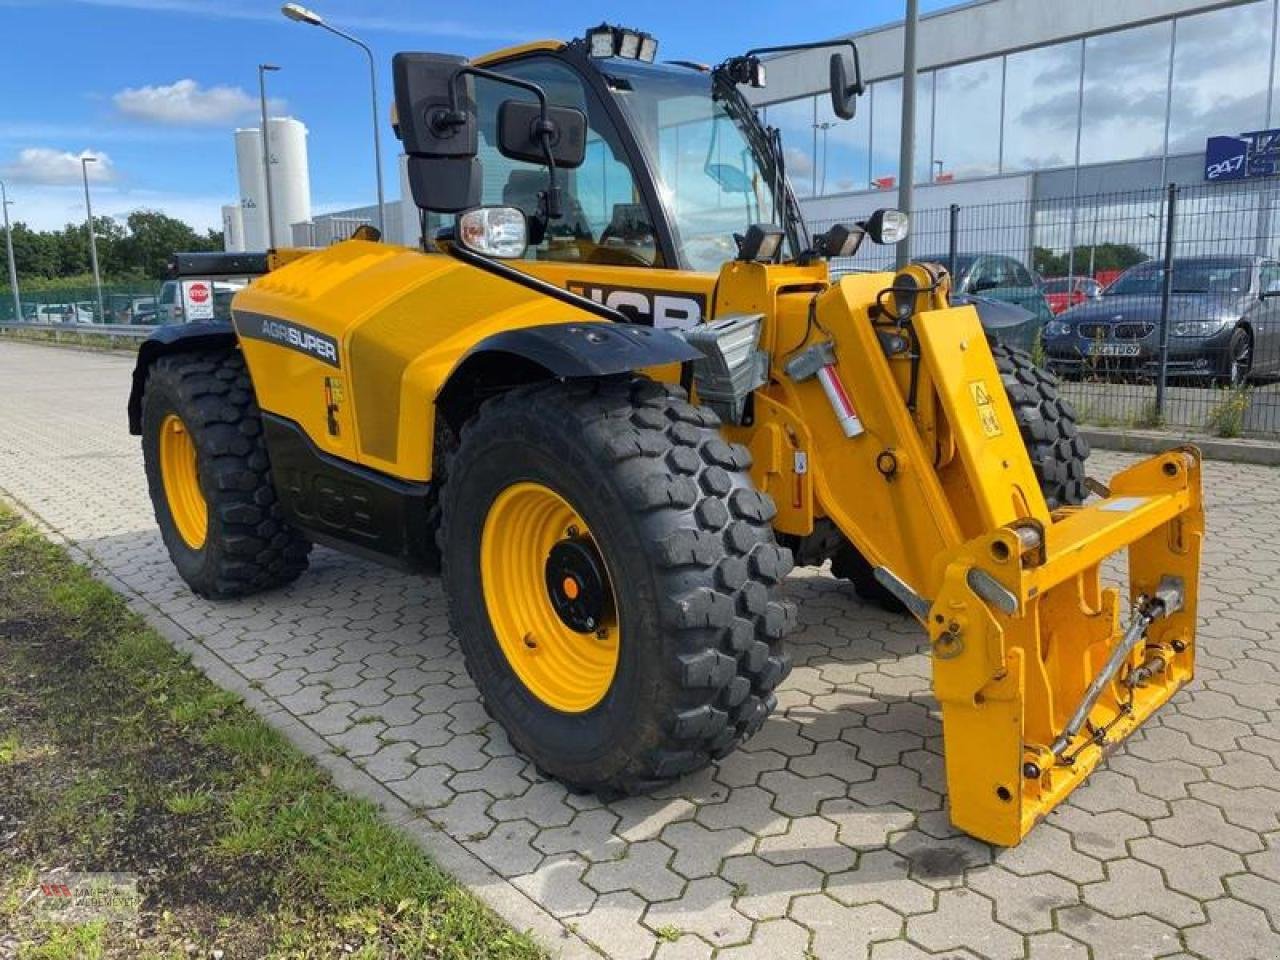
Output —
(1066, 292)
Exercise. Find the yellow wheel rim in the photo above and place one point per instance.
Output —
(182, 490)
(569, 669)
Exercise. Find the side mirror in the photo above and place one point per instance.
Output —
(493, 231)
(444, 174)
(844, 95)
(887, 226)
(519, 133)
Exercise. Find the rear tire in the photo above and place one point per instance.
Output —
(687, 554)
(218, 515)
(1048, 427)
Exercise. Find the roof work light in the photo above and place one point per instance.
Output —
(612, 41)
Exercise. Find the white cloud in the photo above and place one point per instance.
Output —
(45, 165)
(186, 103)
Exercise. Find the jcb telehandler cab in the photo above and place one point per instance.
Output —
(616, 392)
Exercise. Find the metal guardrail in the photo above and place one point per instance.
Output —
(83, 330)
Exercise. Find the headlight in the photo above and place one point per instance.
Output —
(1196, 328)
(1057, 328)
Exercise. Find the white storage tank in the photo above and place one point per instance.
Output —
(232, 228)
(253, 196)
(290, 181)
(290, 176)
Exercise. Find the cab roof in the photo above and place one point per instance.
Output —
(506, 53)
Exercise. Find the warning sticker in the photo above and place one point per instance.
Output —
(986, 409)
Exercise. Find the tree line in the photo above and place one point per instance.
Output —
(1105, 256)
(134, 251)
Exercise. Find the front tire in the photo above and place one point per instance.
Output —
(210, 478)
(1239, 358)
(608, 530)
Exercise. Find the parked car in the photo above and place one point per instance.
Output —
(1224, 322)
(994, 276)
(59, 313)
(1063, 293)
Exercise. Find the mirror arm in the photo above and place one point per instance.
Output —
(544, 130)
(857, 85)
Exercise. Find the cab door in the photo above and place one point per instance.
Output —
(606, 246)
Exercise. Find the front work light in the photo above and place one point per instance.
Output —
(842, 240)
(761, 243)
(648, 48)
(887, 226)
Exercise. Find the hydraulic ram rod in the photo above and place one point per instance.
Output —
(1167, 600)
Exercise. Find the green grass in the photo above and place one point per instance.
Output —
(119, 755)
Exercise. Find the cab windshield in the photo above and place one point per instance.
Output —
(714, 174)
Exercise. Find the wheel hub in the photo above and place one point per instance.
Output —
(549, 597)
(577, 585)
(179, 472)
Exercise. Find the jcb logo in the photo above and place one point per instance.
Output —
(665, 309)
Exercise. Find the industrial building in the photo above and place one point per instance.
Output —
(1050, 104)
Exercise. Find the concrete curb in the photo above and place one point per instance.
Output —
(1238, 450)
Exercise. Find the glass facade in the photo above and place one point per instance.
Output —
(1148, 91)
(966, 121)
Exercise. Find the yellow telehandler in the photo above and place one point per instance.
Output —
(615, 392)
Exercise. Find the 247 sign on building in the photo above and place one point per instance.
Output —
(1255, 154)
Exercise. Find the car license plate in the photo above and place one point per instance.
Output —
(1113, 349)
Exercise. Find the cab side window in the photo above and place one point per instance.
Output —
(1270, 278)
(604, 220)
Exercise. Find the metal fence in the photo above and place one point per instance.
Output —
(125, 304)
(1157, 308)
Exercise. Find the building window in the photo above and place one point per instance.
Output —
(966, 125)
(795, 118)
(844, 148)
(886, 124)
(1126, 87)
(1041, 107)
(1220, 75)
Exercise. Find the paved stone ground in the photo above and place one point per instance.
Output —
(828, 834)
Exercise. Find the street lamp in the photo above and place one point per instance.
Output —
(93, 239)
(825, 126)
(299, 13)
(263, 70)
(13, 269)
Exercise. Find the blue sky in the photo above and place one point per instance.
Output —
(155, 87)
